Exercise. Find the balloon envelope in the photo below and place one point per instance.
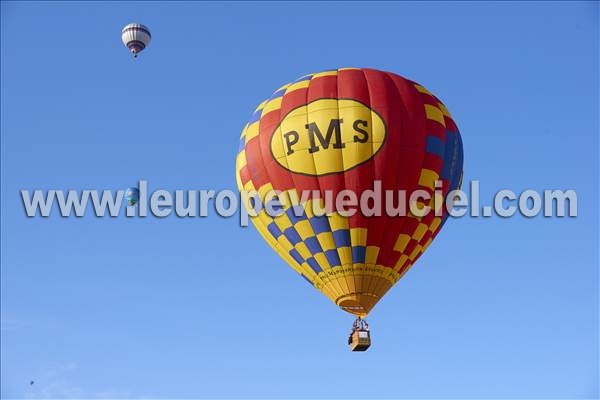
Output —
(136, 37)
(350, 129)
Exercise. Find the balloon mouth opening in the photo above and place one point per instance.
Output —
(357, 303)
(135, 47)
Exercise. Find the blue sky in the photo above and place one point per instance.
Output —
(199, 307)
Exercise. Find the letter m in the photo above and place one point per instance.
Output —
(315, 133)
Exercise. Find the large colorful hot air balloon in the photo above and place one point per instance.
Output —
(343, 130)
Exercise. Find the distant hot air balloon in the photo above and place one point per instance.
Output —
(132, 195)
(343, 130)
(136, 37)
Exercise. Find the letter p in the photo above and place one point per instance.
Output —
(291, 138)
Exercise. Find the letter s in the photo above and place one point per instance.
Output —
(364, 133)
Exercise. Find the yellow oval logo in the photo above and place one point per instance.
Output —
(327, 136)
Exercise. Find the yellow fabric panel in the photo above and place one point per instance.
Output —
(326, 73)
(322, 260)
(400, 263)
(326, 241)
(303, 250)
(264, 219)
(345, 255)
(422, 89)
(419, 232)
(240, 161)
(358, 236)
(296, 86)
(415, 252)
(238, 181)
(401, 242)
(308, 209)
(285, 244)
(434, 114)
(304, 229)
(249, 186)
(317, 108)
(283, 222)
(337, 222)
(272, 105)
(264, 190)
(252, 131)
(313, 280)
(435, 223)
(428, 178)
(372, 253)
(444, 110)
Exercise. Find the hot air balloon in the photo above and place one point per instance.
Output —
(132, 195)
(347, 129)
(136, 37)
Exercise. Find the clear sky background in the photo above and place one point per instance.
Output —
(199, 307)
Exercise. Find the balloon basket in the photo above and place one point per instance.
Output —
(360, 338)
(360, 341)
